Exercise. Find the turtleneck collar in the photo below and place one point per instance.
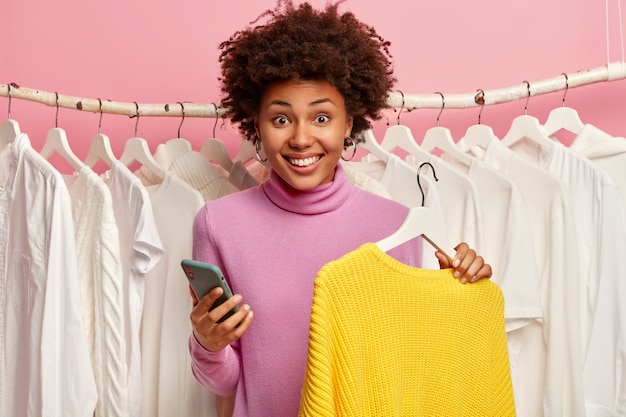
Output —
(321, 199)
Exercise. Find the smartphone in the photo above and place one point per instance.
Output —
(203, 277)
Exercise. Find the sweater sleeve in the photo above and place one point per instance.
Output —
(217, 371)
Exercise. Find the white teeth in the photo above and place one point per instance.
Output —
(304, 162)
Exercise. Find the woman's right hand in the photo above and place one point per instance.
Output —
(214, 336)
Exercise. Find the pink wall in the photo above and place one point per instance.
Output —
(165, 51)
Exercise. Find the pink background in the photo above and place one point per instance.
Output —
(165, 51)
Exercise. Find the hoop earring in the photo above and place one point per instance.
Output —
(353, 148)
(257, 148)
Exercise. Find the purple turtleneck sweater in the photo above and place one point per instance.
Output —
(270, 241)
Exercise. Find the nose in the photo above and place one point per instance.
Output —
(302, 136)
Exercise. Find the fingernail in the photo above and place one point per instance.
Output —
(473, 279)
(463, 280)
(457, 274)
(237, 298)
(456, 263)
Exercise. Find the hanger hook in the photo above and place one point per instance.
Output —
(56, 118)
(9, 109)
(480, 99)
(100, 121)
(401, 108)
(566, 88)
(137, 116)
(443, 105)
(217, 115)
(527, 98)
(418, 178)
(182, 107)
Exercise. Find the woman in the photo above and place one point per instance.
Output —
(302, 87)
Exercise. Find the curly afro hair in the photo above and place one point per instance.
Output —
(306, 44)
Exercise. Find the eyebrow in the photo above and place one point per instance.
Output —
(313, 103)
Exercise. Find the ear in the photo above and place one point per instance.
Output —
(349, 123)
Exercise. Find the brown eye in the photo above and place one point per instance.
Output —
(322, 118)
(281, 120)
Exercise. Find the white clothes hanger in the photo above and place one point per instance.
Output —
(214, 150)
(178, 146)
(372, 146)
(100, 148)
(420, 221)
(441, 138)
(246, 152)
(56, 141)
(9, 128)
(400, 136)
(478, 134)
(563, 118)
(526, 126)
(137, 149)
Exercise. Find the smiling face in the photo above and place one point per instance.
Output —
(302, 126)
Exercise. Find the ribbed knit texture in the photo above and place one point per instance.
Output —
(387, 339)
(100, 269)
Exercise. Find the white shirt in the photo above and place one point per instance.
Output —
(141, 249)
(100, 272)
(169, 387)
(508, 243)
(607, 151)
(601, 230)
(45, 369)
(546, 361)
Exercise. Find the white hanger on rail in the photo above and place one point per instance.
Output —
(371, 145)
(246, 152)
(56, 141)
(178, 146)
(137, 149)
(563, 118)
(440, 137)
(9, 128)
(100, 147)
(214, 150)
(400, 136)
(479, 134)
(526, 126)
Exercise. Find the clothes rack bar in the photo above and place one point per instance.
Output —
(611, 72)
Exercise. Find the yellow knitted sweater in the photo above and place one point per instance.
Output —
(387, 339)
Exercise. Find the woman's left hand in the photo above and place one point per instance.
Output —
(468, 266)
